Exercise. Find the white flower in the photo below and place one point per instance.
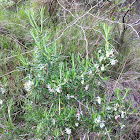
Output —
(102, 68)
(51, 90)
(78, 116)
(99, 51)
(68, 131)
(96, 66)
(108, 53)
(122, 114)
(98, 99)
(104, 58)
(49, 86)
(116, 106)
(112, 61)
(76, 124)
(102, 124)
(98, 119)
(2, 90)
(81, 112)
(122, 126)
(87, 86)
(28, 85)
(68, 96)
(90, 72)
(39, 76)
(51, 62)
(1, 101)
(101, 58)
(58, 89)
(117, 116)
(115, 109)
(82, 82)
(42, 67)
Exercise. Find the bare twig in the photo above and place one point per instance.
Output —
(9, 73)
(124, 25)
(74, 21)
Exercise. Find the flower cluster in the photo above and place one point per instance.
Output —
(68, 131)
(2, 90)
(28, 85)
(110, 56)
(53, 89)
(99, 122)
(78, 116)
(58, 90)
(116, 112)
(105, 59)
(68, 96)
(98, 99)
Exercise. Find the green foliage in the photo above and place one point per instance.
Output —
(62, 93)
(57, 92)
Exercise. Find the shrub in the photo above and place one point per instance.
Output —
(63, 93)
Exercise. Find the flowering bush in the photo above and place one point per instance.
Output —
(63, 93)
